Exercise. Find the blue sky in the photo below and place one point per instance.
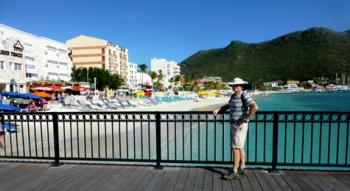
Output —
(172, 29)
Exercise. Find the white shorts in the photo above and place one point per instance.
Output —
(238, 135)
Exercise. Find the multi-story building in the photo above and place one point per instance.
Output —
(132, 75)
(25, 57)
(169, 69)
(54, 56)
(89, 51)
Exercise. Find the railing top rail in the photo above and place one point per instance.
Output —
(171, 112)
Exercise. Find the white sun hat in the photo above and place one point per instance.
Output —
(237, 81)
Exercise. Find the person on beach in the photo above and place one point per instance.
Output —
(242, 108)
(2, 133)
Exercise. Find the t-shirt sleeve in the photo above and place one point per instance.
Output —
(248, 100)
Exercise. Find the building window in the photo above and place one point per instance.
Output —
(18, 67)
(4, 52)
(52, 49)
(2, 65)
(62, 51)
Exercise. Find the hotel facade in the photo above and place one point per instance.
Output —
(132, 76)
(25, 57)
(89, 52)
(169, 69)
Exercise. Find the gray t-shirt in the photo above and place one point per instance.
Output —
(235, 104)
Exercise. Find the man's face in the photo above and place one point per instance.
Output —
(237, 88)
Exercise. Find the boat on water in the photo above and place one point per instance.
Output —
(335, 88)
(292, 88)
(319, 89)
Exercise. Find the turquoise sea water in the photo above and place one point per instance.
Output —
(330, 101)
(312, 142)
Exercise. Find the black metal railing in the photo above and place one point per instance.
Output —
(275, 140)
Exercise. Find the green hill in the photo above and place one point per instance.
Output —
(299, 55)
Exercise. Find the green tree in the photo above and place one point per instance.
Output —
(103, 78)
(142, 69)
(160, 75)
(153, 75)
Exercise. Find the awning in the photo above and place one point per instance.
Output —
(4, 107)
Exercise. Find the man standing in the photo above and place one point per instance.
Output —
(242, 108)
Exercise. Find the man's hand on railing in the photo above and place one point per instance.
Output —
(216, 111)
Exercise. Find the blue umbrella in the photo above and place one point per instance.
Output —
(11, 94)
(31, 96)
(4, 107)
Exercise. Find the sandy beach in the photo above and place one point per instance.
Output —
(203, 104)
(95, 138)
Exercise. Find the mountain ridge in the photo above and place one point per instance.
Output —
(299, 55)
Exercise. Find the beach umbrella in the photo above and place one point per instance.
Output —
(31, 96)
(11, 94)
(43, 94)
(43, 89)
(4, 107)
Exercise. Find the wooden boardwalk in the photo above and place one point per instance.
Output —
(35, 176)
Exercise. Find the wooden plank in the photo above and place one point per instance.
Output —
(180, 183)
(174, 175)
(145, 181)
(290, 182)
(297, 180)
(236, 185)
(307, 179)
(141, 175)
(226, 185)
(54, 176)
(245, 183)
(265, 185)
(345, 179)
(25, 175)
(208, 180)
(271, 181)
(282, 182)
(217, 182)
(190, 179)
(113, 178)
(97, 175)
(335, 183)
(78, 174)
(168, 172)
(129, 181)
(154, 182)
(199, 182)
(253, 180)
(316, 179)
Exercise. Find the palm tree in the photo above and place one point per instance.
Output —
(153, 75)
(160, 75)
(142, 69)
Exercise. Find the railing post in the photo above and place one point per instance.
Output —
(56, 142)
(275, 142)
(158, 141)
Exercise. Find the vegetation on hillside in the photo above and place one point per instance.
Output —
(299, 55)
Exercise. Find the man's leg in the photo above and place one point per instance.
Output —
(237, 159)
(242, 153)
(2, 145)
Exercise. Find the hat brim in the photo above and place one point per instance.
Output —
(235, 84)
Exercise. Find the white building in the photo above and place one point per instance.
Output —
(131, 80)
(169, 69)
(143, 78)
(25, 57)
(54, 60)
